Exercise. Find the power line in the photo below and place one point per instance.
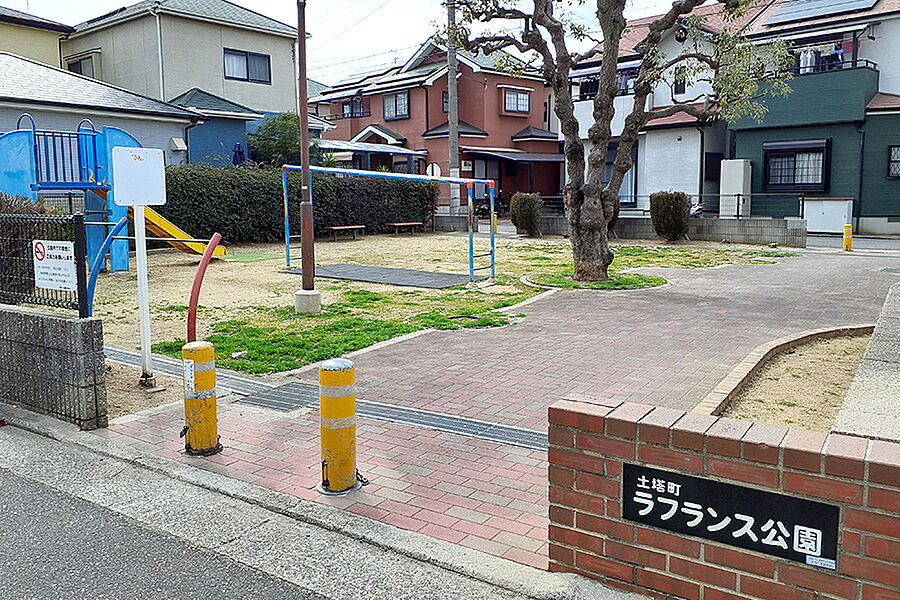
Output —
(379, 7)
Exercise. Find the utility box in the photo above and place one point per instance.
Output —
(827, 215)
(734, 188)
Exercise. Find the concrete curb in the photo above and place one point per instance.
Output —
(499, 572)
(718, 399)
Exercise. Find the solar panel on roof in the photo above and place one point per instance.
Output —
(799, 10)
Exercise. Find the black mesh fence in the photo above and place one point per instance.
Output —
(48, 245)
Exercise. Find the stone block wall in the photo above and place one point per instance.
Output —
(53, 363)
(784, 232)
(591, 440)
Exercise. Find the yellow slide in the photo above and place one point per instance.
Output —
(163, 227)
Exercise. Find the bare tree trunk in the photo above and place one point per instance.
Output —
(589, 214)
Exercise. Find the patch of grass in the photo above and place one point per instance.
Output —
(772, 254)
(618, 281)
(176, 308)
(250, 257)
(271, 348)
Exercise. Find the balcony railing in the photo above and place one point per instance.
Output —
(825, 64)
(352, 115)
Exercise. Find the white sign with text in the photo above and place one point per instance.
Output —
(54, 265)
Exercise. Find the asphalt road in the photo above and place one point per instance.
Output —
(56, 547)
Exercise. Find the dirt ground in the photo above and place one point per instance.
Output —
(123, 396)
(803, 387)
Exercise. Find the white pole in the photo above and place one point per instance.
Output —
(147, 377)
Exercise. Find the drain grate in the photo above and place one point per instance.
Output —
(303, 395)
(891, 269)
(285, 398)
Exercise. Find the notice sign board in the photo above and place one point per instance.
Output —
(54, 265)
(139, 176)
(775, 524)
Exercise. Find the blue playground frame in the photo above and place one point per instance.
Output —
(33, 160)
(469, 183)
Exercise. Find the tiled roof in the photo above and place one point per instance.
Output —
(464, 129)
(220, 11)
(314, 88)
(678, 119)
(714, 22)
(384, 131)
(202, 100)
(27, 81)
(535, 132)
(883, 101)
(759, 28)
(8, 15)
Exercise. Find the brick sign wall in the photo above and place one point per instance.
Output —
(678, 505)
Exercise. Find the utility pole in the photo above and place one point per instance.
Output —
(308, 299)
(453, 106)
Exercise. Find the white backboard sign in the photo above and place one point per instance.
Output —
(54, 265)
(139, 176)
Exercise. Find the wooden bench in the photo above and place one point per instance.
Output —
(412, 226)
(351, 228)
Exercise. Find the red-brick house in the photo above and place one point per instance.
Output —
(503, 121)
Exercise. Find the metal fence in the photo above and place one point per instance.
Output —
(63, 203)
(17, 259)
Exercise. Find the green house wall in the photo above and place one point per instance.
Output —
(817, 98)
(844, 167)
(881, 195)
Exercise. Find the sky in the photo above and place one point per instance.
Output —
(348, 36)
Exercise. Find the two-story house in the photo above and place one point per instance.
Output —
(501, 121)
(230, 63)
(672, 153)
(837, 135)
(30, 36)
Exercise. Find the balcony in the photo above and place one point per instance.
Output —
(351, 115)
(821, 95)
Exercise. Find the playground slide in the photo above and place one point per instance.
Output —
(162, 227)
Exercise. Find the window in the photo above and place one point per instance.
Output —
(247, 66)
(353, 108)
(894, 161)
(517, 102)
(396, 106)
(796, 166)
(680, 84)
(85, 66)
(446, 100)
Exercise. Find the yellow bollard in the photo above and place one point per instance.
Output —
(848, 238)
(337, 408)
(200, 431)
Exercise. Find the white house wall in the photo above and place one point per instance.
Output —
(151, 133)
(662, 92)
(883, 51)
(669, 163)
(584, 112)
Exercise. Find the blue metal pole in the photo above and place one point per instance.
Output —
(287, 227)
(493, 226)
(310, 189)
(471, 237)
(98, 262)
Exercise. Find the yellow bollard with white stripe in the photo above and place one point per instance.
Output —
(200, 431)
(337, 408)
(848, 238)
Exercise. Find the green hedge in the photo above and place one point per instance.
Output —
(246, 204)
(670, 213)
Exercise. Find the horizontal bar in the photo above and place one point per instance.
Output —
(481, 255)
(159, 239)
(104, 223)
(482, 268)
(67, 185)
(383, 175)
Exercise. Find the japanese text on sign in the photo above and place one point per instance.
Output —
(54, 265)
(775, 524)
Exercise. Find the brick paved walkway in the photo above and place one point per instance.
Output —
(666, 346)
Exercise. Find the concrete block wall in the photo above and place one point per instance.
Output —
(789, 233)
(53, 363)
(591, 439)
(452, 223)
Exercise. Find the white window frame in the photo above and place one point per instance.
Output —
(519, 101)
(392, 104)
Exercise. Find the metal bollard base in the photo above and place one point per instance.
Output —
(326, 492)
